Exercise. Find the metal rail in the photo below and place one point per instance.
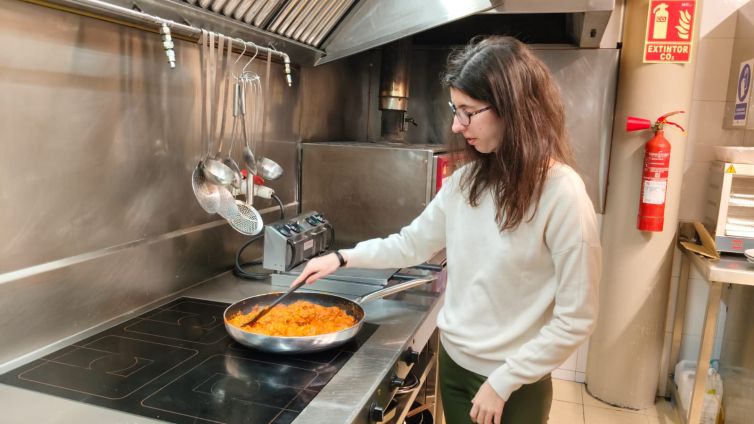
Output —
(163, 26)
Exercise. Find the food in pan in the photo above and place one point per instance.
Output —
(298, 319)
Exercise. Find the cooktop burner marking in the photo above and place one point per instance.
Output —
(224, 384)
(186, 321)
(113, 368)
(176, 363)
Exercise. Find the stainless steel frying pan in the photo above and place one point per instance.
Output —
(307, 344)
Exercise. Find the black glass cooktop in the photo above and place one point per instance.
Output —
(177, 363)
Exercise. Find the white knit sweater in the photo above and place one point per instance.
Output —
(517, 303)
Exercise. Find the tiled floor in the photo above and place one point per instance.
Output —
(573, 405)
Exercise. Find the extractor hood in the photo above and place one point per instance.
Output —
(313, 32)
(372, 23)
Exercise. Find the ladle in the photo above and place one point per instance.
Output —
(206, 194)
(248, 153)
(228, 161)
(214, 169)
(268, 169)
(252, 80)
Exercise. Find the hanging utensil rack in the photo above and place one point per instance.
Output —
(108, 11)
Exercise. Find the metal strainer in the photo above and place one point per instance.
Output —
(248, 221)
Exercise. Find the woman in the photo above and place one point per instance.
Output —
(521, 236)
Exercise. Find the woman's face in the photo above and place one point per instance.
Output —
(485, 129)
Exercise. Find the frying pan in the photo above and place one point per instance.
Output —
(308, 344)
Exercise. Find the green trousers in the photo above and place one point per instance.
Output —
(530, 404)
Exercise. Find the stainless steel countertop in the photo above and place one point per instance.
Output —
(339, 402)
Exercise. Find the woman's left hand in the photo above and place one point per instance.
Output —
(487, 406)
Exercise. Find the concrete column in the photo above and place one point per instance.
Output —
(625, 350)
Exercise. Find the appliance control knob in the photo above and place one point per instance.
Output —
(376, 412)
(396, 382)
(283, 230)
(410, 356)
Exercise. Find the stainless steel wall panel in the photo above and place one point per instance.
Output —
(339, 99)
(100, 138)
(354, 186)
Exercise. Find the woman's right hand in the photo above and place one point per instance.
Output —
(317, 268)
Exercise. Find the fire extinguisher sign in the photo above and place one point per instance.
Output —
(670, 29)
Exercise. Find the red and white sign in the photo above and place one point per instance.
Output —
(670, 29)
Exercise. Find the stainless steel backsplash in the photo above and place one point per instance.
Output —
(99, 139)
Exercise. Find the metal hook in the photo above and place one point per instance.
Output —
(239, 57)
(256, 52)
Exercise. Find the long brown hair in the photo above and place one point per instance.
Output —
(502, 72)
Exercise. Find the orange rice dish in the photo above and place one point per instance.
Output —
(298, 319)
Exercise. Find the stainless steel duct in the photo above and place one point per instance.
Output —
(394, 75)
(394, 78)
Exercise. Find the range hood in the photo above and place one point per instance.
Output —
(314, 32)
(372, 23)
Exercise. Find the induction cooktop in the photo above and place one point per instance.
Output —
(178, 364)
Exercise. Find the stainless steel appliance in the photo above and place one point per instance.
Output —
(290, 242)
(370, 190)
(729, 214)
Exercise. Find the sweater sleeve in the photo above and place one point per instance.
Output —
(572, 237)
(414, 244)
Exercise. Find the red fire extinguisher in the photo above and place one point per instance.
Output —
(654, 179)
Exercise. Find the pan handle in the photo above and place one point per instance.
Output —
(379, 294)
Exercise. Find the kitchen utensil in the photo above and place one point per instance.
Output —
(214, 169)
(206, 194)
(269, 169)
(248, 153)
(227, 204)
(249, 86)
(247, 221)
(228, 161)
(269, 307)
(308, 344)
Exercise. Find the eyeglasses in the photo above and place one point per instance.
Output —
(464, 118)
